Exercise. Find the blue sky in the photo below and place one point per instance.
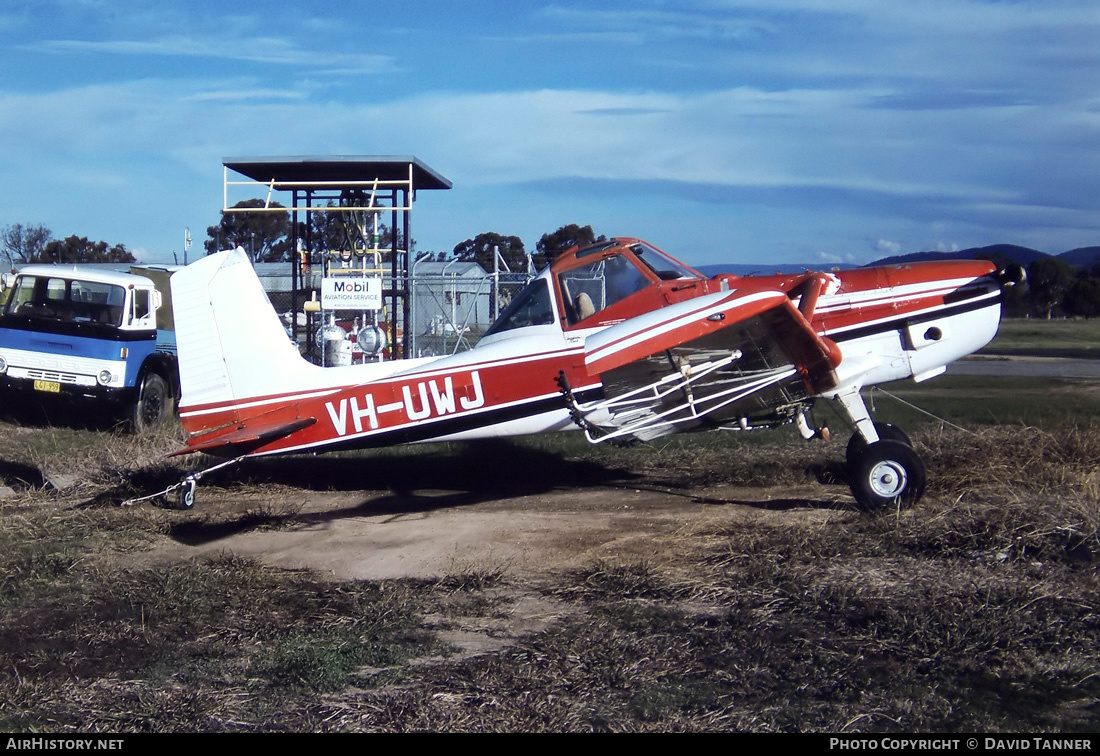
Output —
(756, 131)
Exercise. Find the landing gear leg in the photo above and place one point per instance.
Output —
(883, 469)
(857, 411)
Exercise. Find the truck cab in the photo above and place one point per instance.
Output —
(89, 336)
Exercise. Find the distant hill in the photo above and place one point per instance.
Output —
(1082, 257)
(1008, 252)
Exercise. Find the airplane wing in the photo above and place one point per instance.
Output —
(747, 356)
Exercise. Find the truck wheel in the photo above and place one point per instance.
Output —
(148, 412)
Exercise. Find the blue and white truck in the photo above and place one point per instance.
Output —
(91, 337)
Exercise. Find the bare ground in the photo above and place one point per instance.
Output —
(430, 533)
(528, 539)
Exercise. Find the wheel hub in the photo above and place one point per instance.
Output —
(888, 479)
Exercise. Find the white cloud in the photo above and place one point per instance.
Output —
(756, 141)
(271, 50)
(639, 24)
(888, 247)
(224, 94)
(828, 258)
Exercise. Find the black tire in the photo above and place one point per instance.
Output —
(151, 407)
(185, 498)
(886, 432)
(887, 474)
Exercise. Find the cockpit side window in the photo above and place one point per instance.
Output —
(598, 285)
(531, 307)
(667, 268)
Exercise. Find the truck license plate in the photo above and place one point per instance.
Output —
(52, 386)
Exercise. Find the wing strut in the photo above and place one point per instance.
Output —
(654, 410)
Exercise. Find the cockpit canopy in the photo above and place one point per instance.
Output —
(595, 286)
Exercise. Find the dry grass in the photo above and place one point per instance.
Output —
(974, 611)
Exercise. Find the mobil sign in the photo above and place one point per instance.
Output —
(351, 293)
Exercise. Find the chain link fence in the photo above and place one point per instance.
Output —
(451, 305)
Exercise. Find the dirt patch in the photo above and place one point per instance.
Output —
(526, 540)
(428, 534)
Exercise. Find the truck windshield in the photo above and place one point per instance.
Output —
(66, 301)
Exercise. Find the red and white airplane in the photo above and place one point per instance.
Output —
(617, 339)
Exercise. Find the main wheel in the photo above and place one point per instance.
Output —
(885, 431)
(887, 473)
(147, 413)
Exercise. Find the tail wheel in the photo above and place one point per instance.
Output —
(886, 432)
(887, 473)
(151, 407)
(185, 498)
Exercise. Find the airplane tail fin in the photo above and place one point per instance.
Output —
(232, 345)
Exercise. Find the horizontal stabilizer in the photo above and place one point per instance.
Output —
(244, 436)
